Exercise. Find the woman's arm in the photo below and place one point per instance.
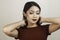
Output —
(55, 23)
(10, 29)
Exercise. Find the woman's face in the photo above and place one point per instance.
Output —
(32, 14)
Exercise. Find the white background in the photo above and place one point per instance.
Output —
(11, 11)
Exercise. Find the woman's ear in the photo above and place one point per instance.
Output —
(24, 14)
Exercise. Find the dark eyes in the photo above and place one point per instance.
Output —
(31, 13)
(36, 13)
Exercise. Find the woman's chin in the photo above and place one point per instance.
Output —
(33, 22)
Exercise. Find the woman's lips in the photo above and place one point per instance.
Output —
(34, 19)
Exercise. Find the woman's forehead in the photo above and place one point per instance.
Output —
(34, 8)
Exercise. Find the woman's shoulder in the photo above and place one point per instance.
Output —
(44, 25)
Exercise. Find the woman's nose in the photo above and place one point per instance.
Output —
(34, 15)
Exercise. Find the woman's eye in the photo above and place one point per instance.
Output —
(31, 13)
(37, 13)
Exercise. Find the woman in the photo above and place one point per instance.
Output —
(30, 27)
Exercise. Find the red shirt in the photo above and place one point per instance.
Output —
(35, 33)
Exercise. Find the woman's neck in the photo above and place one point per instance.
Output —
(30, 25)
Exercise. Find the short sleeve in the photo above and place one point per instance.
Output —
(18, 34)
(47, 29)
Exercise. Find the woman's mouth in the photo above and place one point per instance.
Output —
(34, 19)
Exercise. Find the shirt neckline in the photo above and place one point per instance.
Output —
(32, 27)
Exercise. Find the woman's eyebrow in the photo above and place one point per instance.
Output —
(37, 11)
(31, 10)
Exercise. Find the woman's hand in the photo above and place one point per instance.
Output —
(22, 23)
(43, 19)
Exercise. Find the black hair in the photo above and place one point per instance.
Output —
(27, 6)
(30, 4)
